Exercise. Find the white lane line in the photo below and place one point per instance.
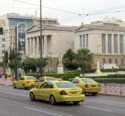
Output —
(97, 108)
(38, 110)
(14, 93)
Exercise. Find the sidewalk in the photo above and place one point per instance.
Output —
(6, 82)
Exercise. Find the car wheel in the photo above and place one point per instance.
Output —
(52, 100)
(32, 86)
(32, 97)
(14, 85)
(76, 102)
(94, 94)
(23, 86)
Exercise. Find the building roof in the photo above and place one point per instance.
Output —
(52, 27)
(103, 26)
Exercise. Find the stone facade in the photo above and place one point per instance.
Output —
(56, 40)
(105, 40)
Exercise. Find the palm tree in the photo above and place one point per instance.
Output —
(83, 58)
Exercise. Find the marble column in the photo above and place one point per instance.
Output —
(37, 43)
(29, 47)
(45, 46)
(33, 46)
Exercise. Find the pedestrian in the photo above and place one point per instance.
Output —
(0, 74)
(5, 75)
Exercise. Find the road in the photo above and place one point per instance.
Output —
(15, 102)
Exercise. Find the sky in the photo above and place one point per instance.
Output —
(68, 12)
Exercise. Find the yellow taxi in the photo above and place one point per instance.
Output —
(24, 82)
(87, 84)
(41, 80)
(57, 91)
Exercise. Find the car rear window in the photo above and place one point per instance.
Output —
(88, 80)
(65, 85)
(51, 79)
(30, 78)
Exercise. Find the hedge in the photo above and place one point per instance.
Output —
(110, 80)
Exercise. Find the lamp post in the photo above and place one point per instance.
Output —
(41, 67)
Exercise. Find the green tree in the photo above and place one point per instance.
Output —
(6, 57)
(68, 59)
(83, 58)
(13, 63)
(42, 62)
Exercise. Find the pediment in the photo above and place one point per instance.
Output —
(33, 28)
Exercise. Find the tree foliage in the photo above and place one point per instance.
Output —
(83, 58)
(68, 59)
(14, 63)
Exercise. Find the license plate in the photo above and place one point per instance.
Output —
(73, 92)
(93, 85)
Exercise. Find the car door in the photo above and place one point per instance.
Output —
(22, 81)
(40, 92)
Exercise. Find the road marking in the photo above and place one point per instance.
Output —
(14, 93)
(38, 110)
(97, 108)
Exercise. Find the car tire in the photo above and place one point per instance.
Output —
(52, 100)
(32, 96)
(94, 94)
(23, 86)
(14, 86)
(32, 86)
(76, 102)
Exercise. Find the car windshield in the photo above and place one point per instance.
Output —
(30, 78)
(88, 80)
(51, 79)
(65, 85)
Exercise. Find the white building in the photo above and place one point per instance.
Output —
(56, 40)
(105, 40)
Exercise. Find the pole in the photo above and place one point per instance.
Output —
(16, 53)
(4, 61)
(41, 68)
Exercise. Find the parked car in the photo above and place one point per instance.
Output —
(24, 82)
(41, 80)
(57, 91)
(87, 84)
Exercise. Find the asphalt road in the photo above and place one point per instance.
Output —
(15, 102)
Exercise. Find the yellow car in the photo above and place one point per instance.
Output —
(42, 80)
(57, 91)
(87, 84)
(24, 82)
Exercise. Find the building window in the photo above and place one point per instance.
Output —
(122, 62)
(83, 41)
(3, 39)
(87, 44)
(115, 43)
(121, 44)
(109, 43)
(110, 60)
(104, 61)
(3, 45)
(103, 43)
(80, 41)
(3, 51)
(116, 61)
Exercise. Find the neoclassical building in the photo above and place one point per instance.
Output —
(105, 39)
(56, 39)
